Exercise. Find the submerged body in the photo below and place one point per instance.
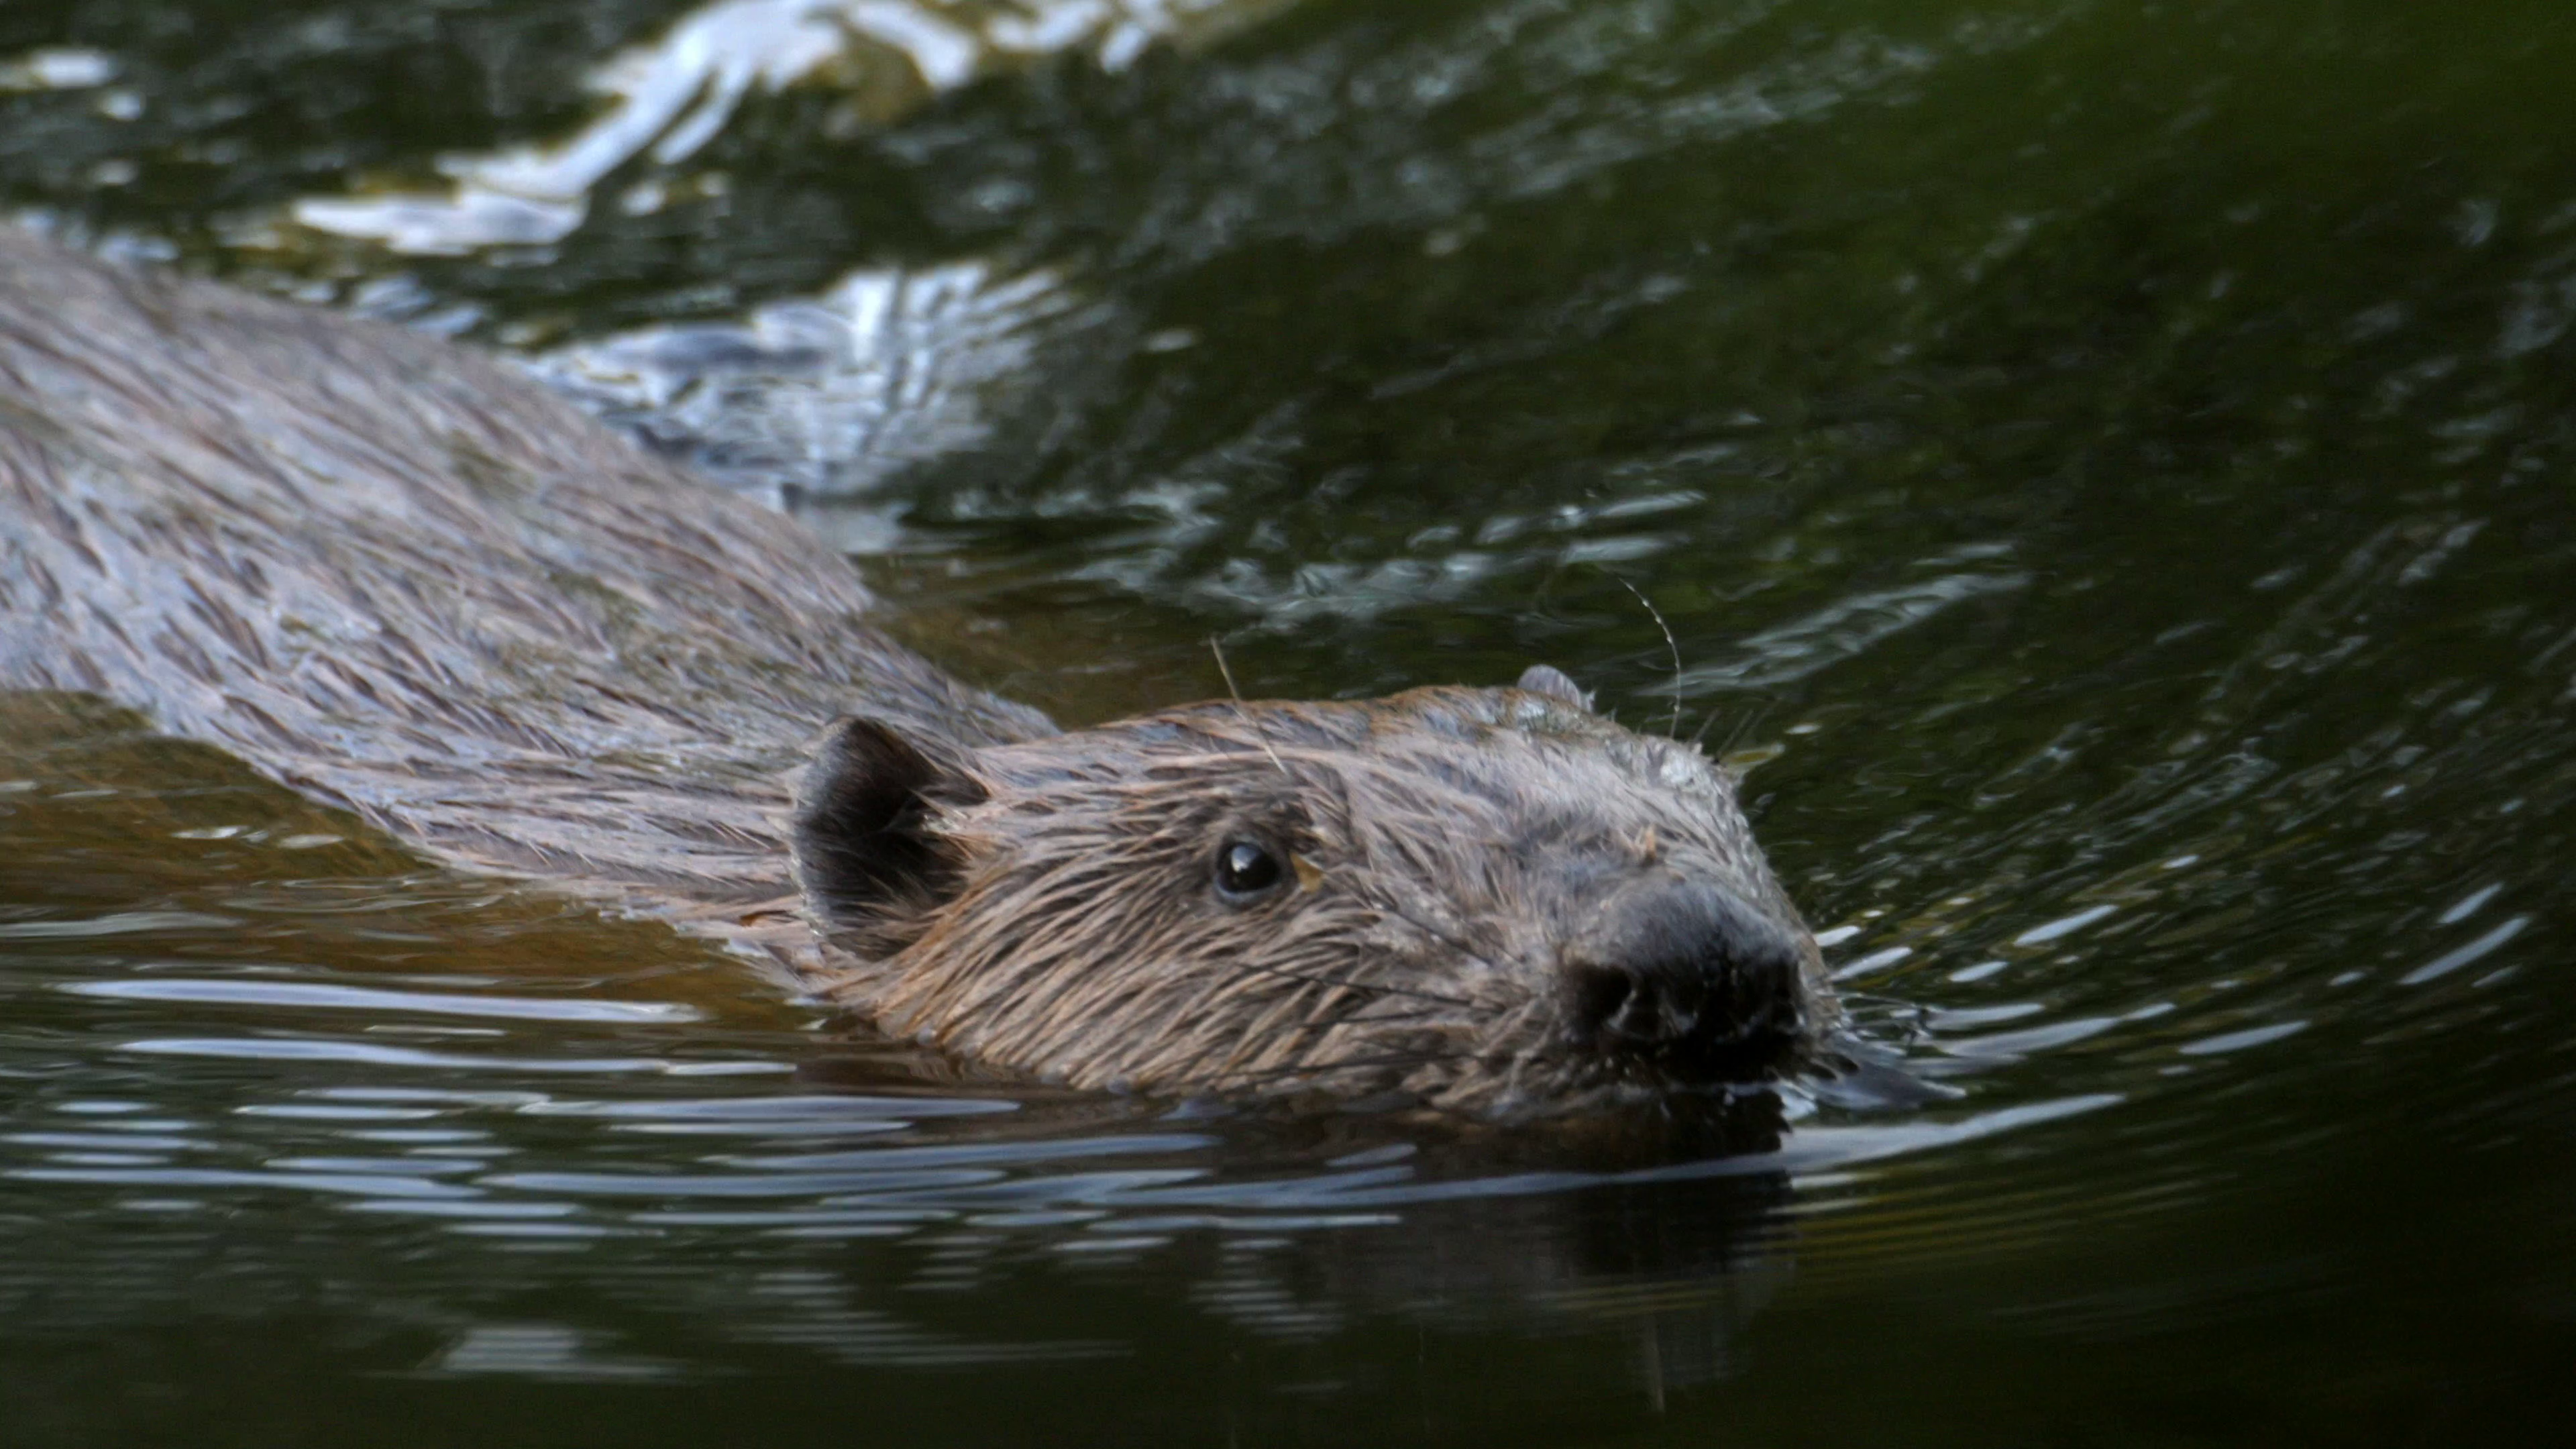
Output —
(402, 578)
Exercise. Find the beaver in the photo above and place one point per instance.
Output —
(412, 582)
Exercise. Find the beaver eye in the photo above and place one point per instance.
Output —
(1244, 869)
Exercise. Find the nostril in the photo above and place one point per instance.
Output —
(1601, 996)
(1631, 1007)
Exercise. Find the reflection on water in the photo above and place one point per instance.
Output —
(664, 102)
(2106, 473)
(824, 399)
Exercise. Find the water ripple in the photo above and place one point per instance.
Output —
(354, 998)
(306, 1049)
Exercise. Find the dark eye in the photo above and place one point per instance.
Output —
(1245, 868)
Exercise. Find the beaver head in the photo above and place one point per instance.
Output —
(1491, 900)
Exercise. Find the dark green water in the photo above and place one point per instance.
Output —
(2110, 469)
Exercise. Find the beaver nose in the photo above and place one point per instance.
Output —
(1676, 969)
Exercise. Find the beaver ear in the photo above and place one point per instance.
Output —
(864, 846)
(1553, 682)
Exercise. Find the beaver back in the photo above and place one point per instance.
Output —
(404, 578)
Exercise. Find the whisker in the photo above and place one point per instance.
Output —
(1236, 695)
(1669, 643)
(1744, 726)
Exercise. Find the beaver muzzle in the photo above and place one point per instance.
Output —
(1678, 977)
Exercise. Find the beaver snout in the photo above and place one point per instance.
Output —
(1678, 974)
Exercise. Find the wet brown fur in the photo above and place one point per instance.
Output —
(408, 581)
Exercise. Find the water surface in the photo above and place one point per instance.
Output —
(2107, 472)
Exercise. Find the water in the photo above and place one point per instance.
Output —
(2106, 468)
